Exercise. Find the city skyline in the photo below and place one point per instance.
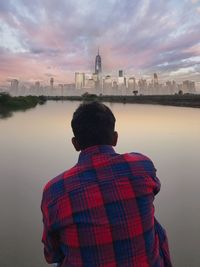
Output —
(43, 39)
(97, 83)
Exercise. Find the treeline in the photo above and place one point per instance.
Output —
(183, 100)
(9, 103)
(187, 100)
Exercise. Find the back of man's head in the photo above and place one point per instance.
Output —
(93, 123)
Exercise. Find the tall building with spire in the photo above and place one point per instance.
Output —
(155, 79)
(51, 82)
(98, 67)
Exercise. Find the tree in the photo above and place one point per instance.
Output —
(4, 98)
(180, 92)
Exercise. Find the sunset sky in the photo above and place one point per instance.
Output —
(40, 39)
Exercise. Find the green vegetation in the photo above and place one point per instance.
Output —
(89, 97)
(182, 100)
(8, 104)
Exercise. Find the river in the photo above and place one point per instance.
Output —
(36, 145)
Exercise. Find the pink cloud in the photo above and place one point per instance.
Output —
(64, 37)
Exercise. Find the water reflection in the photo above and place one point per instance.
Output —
(9, 104)
(36, 145)
(5, 113)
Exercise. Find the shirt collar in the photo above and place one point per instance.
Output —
(87, 153)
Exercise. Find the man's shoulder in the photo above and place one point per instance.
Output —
(55, 187)
(136, 156)
(139, 161)
(53, 181)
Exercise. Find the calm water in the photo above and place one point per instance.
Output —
(35, 146)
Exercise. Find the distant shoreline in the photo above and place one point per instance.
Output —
(186, 100)
(9, 104)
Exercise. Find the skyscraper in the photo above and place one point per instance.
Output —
(155, 79)
(14, 84)
(79, 80)
(121, 73)
(98, 67)
(121, 79)
(51, 82)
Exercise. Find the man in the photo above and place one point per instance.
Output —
(100, 212)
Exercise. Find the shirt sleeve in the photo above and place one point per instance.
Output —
(50, 238)
(159, 230)
(151, 170)
(155, 178)
(163, 242)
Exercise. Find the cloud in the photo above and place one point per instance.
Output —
(138, 36)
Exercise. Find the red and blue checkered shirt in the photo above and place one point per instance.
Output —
(101, 213)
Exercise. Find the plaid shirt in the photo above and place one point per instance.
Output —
(101, 213)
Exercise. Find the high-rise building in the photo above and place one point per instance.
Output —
(37, 85)
(14, 84)
(98, 67)
(115, 85)
(95, 77)
(188, 87)
(120, 73)
(107, 83)
(89, 84)
(131, 83)
(155, 79)
(121, 79)
(51, 82)
(79, 80)
(143, 87)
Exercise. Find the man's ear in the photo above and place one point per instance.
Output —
(115, 138)
(76, 144)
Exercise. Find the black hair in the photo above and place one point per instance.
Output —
(93, 123)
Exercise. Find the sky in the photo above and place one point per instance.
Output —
(40, 39)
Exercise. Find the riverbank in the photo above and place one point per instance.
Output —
(8, 104)
(185, 100)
